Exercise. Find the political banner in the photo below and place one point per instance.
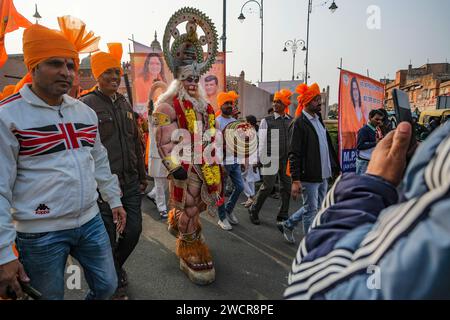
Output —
(358, 95)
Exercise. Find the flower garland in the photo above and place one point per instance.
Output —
(212, 124)
(191, 119)
(211, 174)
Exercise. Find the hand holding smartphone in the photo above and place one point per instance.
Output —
(27, 289)
(403, 112)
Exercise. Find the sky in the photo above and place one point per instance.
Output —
(401, 31)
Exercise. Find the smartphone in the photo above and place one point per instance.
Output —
(403, 111)
(27, 289)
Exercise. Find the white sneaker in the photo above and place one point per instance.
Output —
(232, 218)
(288, 234)
(225, 225)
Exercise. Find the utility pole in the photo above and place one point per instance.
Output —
(307, 40)
(224, 35)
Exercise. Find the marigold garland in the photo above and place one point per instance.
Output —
(211, 174)
(212, 123)
(191, 119)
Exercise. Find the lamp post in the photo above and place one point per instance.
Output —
(241, 18)
(294, 45)
(36, 15)
(224, 34)
(332, 8)
(302, 75)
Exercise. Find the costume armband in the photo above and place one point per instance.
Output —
(161, 119)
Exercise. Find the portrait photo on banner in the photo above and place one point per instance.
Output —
(151, 77)
(358, 95)
(214, 80)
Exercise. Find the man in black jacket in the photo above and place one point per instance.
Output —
(120, 136)
(312, 159)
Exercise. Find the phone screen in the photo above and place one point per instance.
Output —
(403, 111)
(402, 107)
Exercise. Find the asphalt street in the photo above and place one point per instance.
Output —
(252, 262)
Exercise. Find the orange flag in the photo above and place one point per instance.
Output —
(10, 21)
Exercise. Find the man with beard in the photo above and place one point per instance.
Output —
(312, 159)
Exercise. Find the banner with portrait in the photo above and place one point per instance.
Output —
(358, 95)
(151, 76)
(214, 80)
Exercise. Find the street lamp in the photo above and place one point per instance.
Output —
(332, 8)
(302, 75)
(36, 15)
(294, 45)
(241, 18)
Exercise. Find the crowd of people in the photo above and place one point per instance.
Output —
(73, 173)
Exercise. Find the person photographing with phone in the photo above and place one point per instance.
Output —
(389, 223)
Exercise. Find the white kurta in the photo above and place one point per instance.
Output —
(156, 169)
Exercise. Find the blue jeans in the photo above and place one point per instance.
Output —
(234, 172)
(44, 257)
(361, 166)
(313, 195)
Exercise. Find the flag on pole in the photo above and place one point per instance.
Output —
(11, 20)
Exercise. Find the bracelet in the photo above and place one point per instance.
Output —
(170, 164)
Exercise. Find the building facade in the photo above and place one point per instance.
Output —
(423, 85)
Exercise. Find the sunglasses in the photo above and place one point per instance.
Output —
(193, 79)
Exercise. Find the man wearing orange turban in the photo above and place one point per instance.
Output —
(224, 97)
(312, 159)
(284, 96)
(226, 102)
(121, 137)
(52, 165)
(306, 95)
(102, 61)
(279, 122)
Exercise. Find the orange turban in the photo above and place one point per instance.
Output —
(102, 61)
(225, 97)
(284, 95)
(41, 43)
(306, 95)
